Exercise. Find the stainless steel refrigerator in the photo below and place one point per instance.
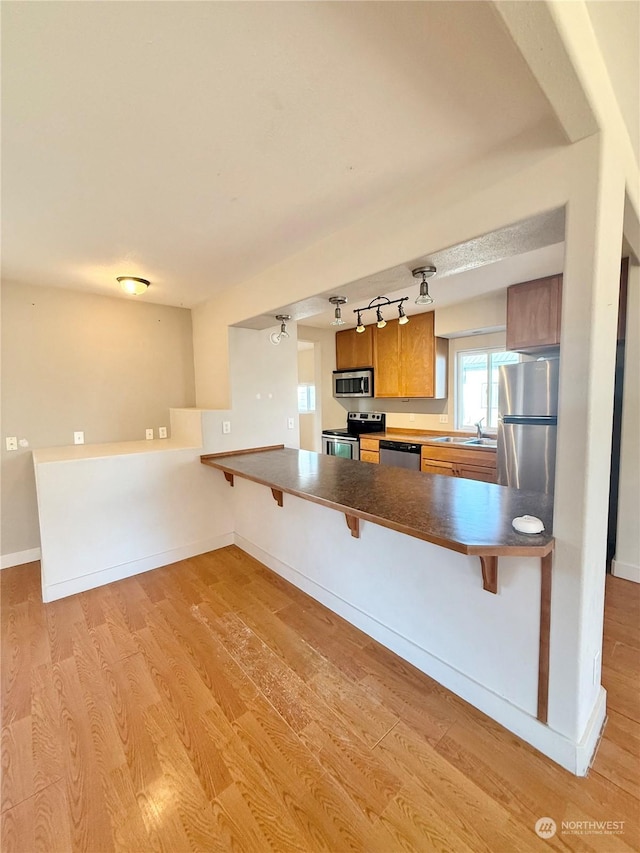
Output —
(527, 423)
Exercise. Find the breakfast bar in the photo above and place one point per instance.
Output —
(467, 516)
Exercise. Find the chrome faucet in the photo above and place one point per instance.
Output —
(478, 427)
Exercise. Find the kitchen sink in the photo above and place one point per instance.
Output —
(452, 439)
(485, 442)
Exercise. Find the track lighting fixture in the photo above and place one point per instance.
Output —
(132, 285)
(378, 303)
(426, 272)
(276, 337)
(338, 301)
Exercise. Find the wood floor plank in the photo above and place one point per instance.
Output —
(367, 780)
(416, 825)
(17, 763)
(480, 820)
(89, 824)
(211, 706)
(39, 824)
(178, 689)
(223, 678)
(16, 663)
(321, 808)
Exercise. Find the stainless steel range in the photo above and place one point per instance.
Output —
(346, 442)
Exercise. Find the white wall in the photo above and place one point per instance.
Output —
(627, 559)
(310, 428)
(333, 413)
(76, 361)
(424, 602)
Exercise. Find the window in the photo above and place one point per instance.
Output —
(477, 386)
(306, 398)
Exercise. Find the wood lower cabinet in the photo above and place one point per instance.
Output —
(459, 462)
(370, 450)
(354, 349)
(408, 360)
(534, 312)
(433, 466)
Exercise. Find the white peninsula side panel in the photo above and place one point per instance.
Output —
(111, 511)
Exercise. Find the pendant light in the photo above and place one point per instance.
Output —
(338, 301)
(276, 337)
(426, 272)
(375, 305)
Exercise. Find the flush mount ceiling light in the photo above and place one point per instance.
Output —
(426, 272)
(132, 285)
(378, 303)
(338, 301)
(276, 337)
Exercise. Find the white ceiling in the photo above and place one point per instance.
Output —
(523, 251)
(196, 144)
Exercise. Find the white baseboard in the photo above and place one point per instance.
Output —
(625, 570)
(575, 757)
(19, 558)
(54, 591)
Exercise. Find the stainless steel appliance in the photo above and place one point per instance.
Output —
(346, 442)
(402, 454)
(527, 419)
(353, 383)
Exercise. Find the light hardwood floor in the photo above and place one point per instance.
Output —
(211, 706)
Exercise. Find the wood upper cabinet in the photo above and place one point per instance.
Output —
(354, 349)
(408, 360)
(386, 360)
(534, 314)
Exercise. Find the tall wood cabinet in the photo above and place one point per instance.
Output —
(534, 310)
(408, 360)
(354, 349)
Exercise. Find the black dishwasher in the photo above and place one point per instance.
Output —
(400, 453)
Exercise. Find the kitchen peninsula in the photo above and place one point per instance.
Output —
(469, 517)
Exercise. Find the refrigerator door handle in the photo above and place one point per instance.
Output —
(542, 420)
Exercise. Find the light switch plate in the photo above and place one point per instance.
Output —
(78, 437)
(12, 442)
(162, 432)
(226, 427)
(148, 434)
(291, 423)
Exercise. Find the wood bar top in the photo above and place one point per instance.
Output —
(467, 516)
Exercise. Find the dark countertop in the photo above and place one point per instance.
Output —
(468, 516)
(429, 439)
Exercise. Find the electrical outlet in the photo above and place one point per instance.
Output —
(162, 432)
(412, 417)
(23, 442)
(78, 437)
(148, 433)
(444, 419)
(12, 442)
(226, 427)
(291, 423)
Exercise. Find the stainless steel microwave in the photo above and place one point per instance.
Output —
(353, 383)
